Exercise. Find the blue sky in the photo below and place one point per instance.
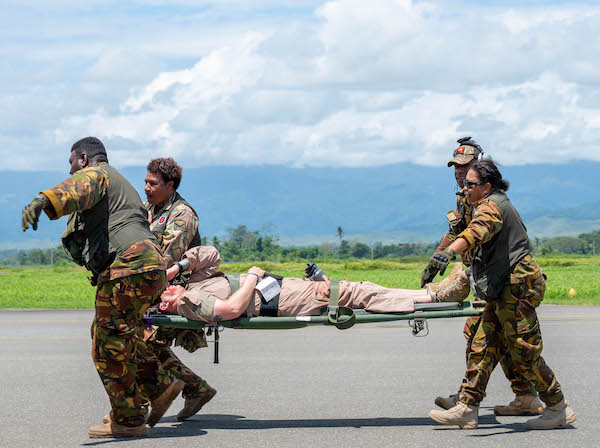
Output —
(298, 83)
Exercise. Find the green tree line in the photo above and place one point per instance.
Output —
(243, 244)
(34, 257)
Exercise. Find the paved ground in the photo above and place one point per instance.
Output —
(369, 386)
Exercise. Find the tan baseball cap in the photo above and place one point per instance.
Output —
(465, 152)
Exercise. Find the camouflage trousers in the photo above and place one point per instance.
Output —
(127, 367)
(509, 325)
(160, 343)
(518, 384)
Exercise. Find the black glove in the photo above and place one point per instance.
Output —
(31, 213)
(440, 260)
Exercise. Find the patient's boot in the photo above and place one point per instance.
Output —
(454, 288)
(463, 415)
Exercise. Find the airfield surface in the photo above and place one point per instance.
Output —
(371, 385)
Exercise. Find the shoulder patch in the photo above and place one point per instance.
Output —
(452, 217)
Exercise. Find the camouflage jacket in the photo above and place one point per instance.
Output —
(458, 221)
(180, 229)
(485, 224)
(82, 191)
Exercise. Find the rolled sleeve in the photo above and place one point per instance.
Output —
(80, 192)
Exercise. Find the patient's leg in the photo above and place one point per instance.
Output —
(372, 297)
(379, 299)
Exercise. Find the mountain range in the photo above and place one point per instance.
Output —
(396, 203)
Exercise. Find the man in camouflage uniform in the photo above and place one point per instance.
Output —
(175, 225)
(512, 282)
(108, 232)
(526, 401)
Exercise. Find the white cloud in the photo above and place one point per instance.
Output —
(355, 84)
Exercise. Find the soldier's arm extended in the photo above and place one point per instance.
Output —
(487, 222)
(180, 229)
(81, 191)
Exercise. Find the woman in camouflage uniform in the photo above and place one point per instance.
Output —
(513, 284)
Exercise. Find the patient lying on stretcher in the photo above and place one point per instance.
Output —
(209, 296)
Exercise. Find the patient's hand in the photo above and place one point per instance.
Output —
(172, 272)
(256, 270)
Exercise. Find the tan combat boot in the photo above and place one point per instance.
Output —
(560, 414)
(193, 405)
(454, 288)
(521, 405)
(114, 430)
(108, 417)
(463, 415)
(447, 402)
(162, 403)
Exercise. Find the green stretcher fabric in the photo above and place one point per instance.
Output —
(282, 323)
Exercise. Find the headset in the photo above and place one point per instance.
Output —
(480, 156)
(473, 143)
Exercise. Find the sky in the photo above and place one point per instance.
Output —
(306, 83)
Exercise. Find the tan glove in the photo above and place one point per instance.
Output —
(31, 213)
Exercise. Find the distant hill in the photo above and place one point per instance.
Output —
(397, 203)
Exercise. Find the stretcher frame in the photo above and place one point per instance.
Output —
(417, 320)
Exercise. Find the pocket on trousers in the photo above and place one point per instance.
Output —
(109, 345)
(525, 313)
(527, 328)
(124, 296)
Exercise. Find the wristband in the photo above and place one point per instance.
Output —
(42, 197)
(257, 276)
(183, 265)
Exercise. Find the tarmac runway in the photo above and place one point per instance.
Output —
(372, 385)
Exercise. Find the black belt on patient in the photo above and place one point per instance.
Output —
(270, 308)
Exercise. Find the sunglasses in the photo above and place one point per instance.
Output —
(469, 185)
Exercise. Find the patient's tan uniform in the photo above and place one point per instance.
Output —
(298, 297)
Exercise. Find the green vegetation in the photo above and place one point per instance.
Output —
(45, 287)
(243, 244)
(68, 287)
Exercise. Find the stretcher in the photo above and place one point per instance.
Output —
(340, 317)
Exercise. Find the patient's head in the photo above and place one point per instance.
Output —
(172, 292)
(169, 297)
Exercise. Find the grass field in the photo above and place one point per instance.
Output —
(68, 287)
